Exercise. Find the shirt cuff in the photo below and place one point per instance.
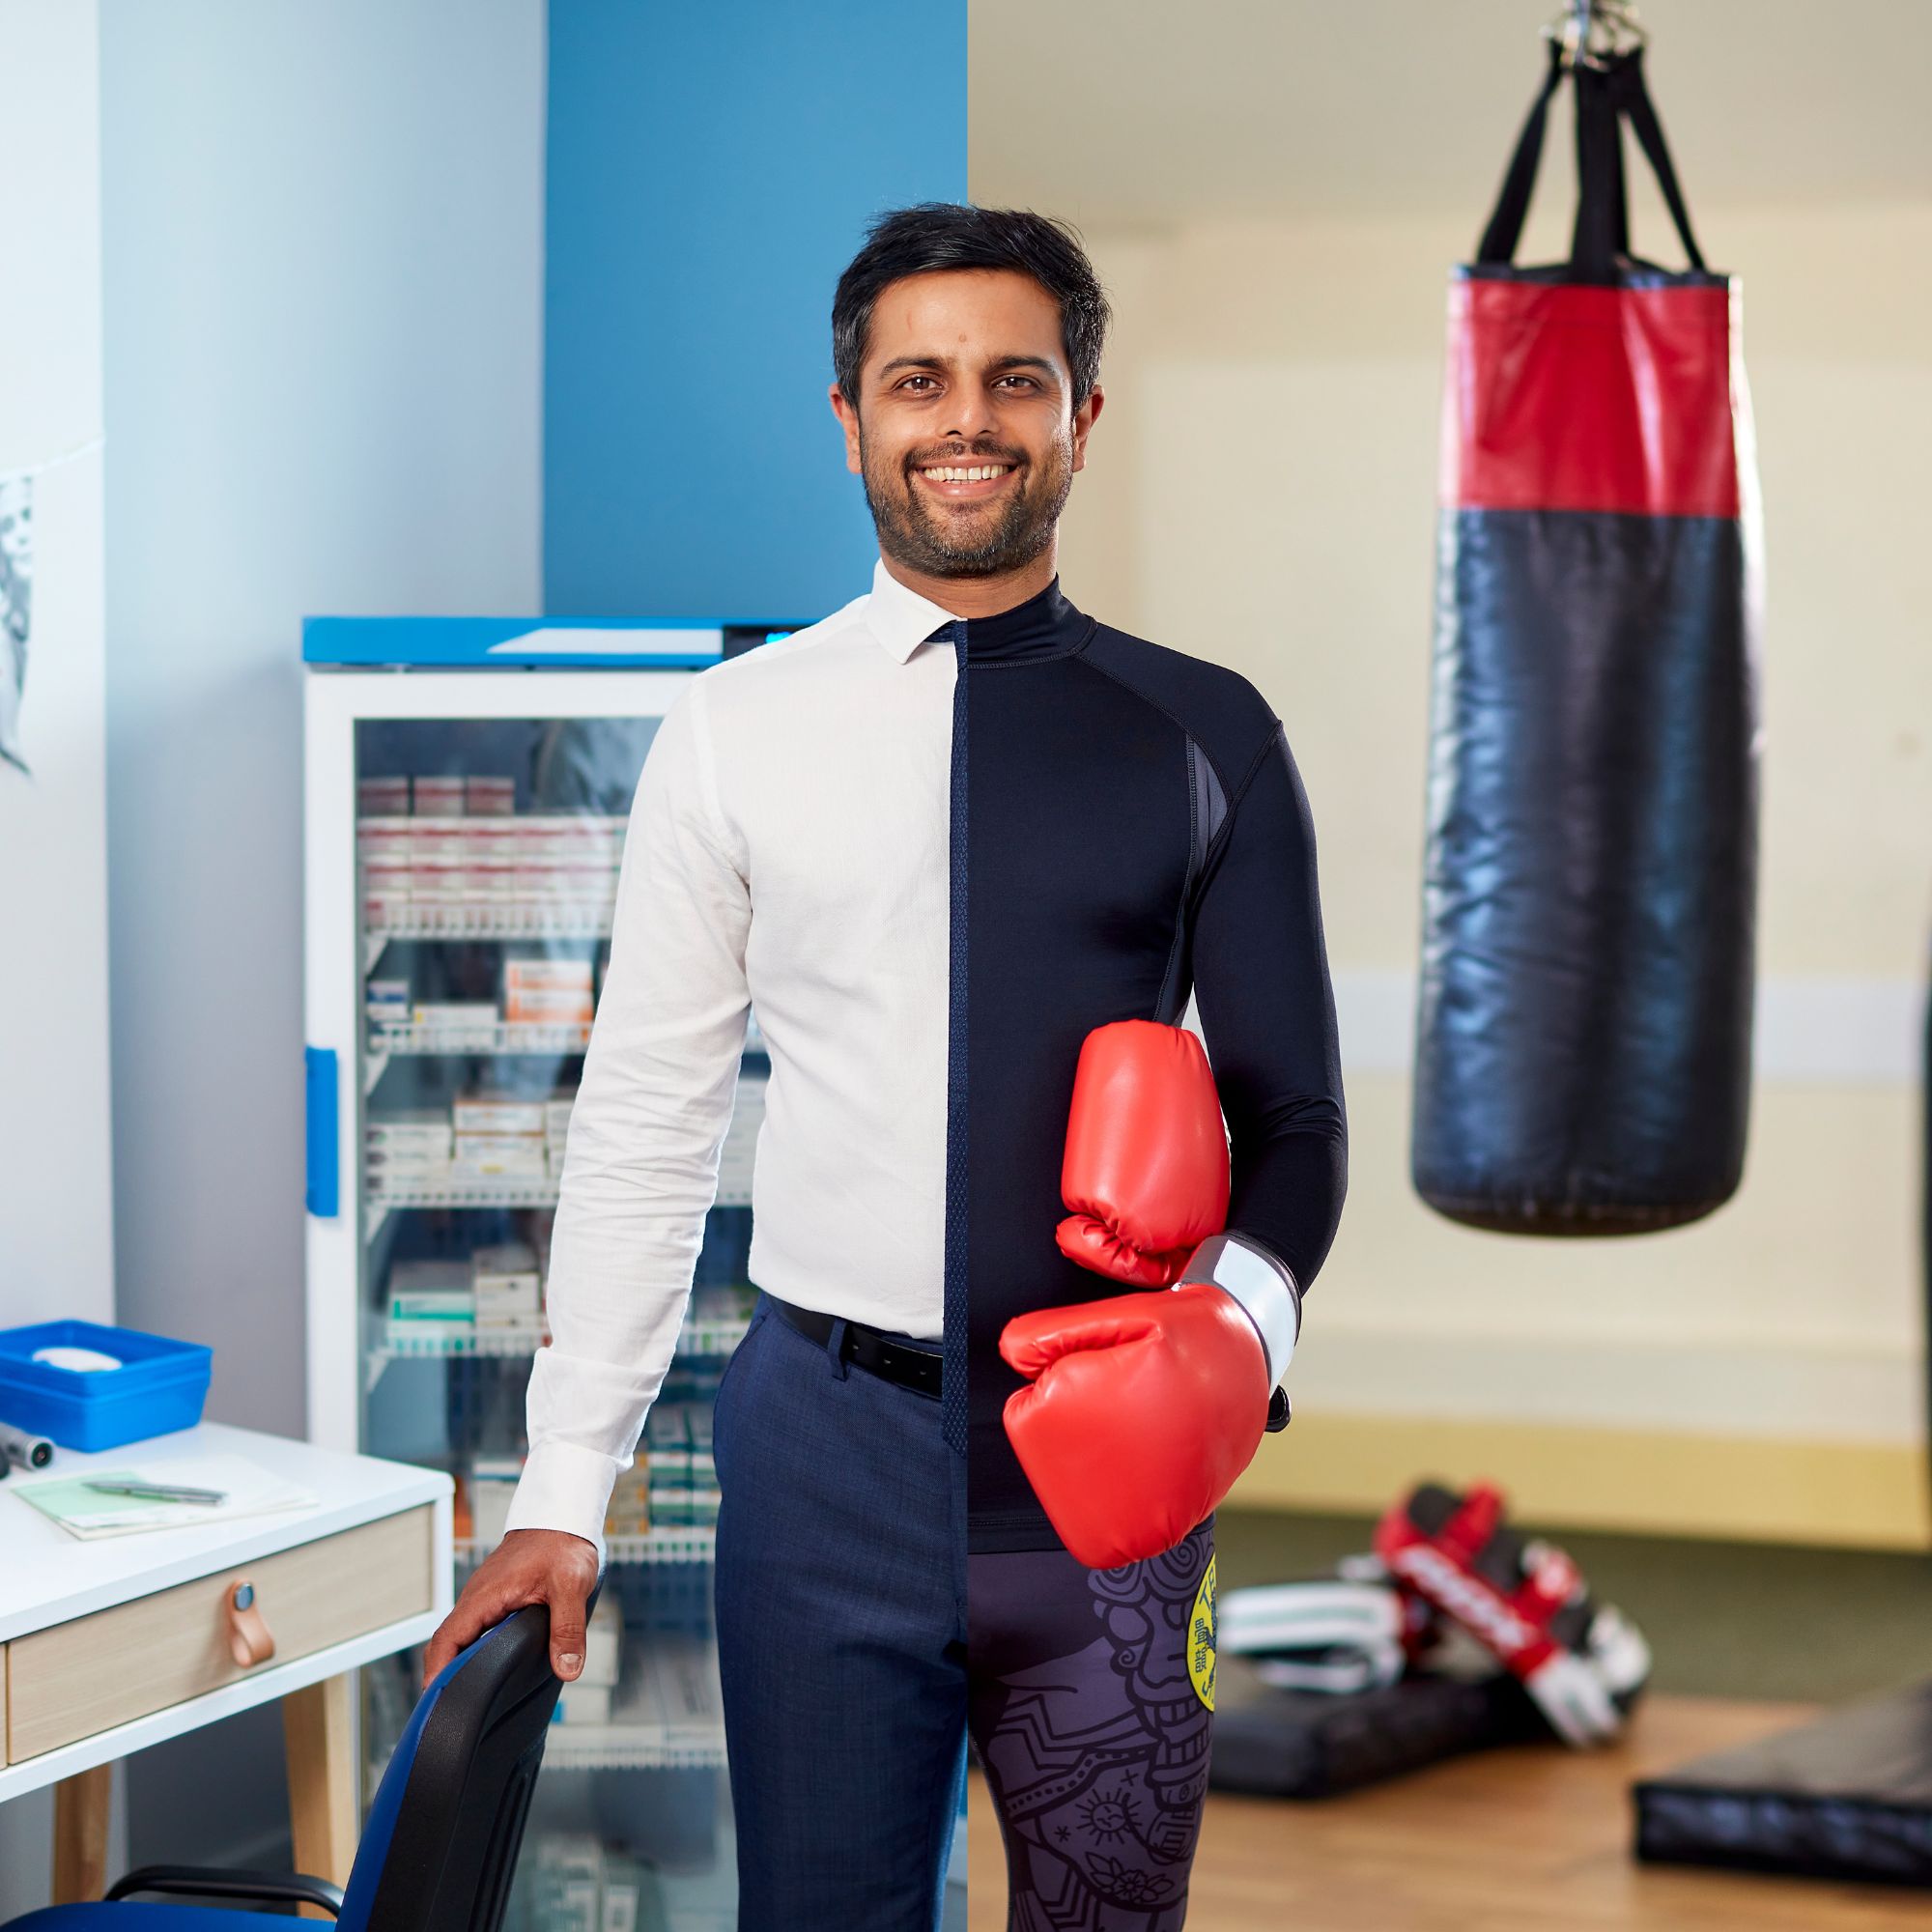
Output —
(564, 1487)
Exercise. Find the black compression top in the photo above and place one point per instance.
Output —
(1127, 826)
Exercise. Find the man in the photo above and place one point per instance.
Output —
(937, 840)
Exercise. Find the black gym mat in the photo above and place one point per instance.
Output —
(1297, 1744)
(1846, 1797)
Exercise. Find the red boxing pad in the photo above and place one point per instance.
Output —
(1524, 1600)
(1145, 1174)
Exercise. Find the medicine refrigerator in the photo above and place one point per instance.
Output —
(468, 786)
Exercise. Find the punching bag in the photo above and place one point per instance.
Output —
(1585, 1014)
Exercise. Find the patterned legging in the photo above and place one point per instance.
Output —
(1091, 1704)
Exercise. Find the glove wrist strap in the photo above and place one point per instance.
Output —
(1260, 1283)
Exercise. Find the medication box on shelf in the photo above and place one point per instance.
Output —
(437, 797)
(385, 893)
(418, 1130)
(453, 1014)
(498, 1114)
(388, 1002)
(629, 1512)
(683, 1475)
(500, 1157)
(379, 797)
(507, 1288)
(489, 797)
(678, 1690)
(580, 1703)
(604, 1642)
(573, 1883)
(547, 992)
(557, 1125)
(493, 1482)
(444, 1306)
(562, 1881)
(442, 842)
(430, 1299)
(158, 1385)
(393, 1172)
(429, 1277)
(724, 1301)
(385, 839)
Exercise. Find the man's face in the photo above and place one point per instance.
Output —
(965, 372)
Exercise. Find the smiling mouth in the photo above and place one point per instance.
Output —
(965, 480)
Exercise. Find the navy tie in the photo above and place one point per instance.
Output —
(953, 1386)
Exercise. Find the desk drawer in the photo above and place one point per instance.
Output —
(86, 1676)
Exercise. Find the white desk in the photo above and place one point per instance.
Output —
(111, 1645)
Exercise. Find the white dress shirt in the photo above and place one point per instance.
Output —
(788, 850)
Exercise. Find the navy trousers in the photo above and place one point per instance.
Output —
(842, 1637)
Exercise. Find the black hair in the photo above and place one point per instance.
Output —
(936, 234)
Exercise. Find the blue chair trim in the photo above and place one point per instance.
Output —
(132, 1917)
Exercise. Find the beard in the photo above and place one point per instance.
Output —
(915, 533)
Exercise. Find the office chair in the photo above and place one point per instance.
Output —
(441, 1845)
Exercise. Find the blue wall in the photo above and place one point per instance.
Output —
(711, 169)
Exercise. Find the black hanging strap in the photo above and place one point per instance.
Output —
(1602, 234)
(1608, 89)
(1649, 131)
(1505, 230)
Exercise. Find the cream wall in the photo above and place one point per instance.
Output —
(1260, 490)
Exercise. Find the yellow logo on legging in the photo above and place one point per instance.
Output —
(1201, 1639)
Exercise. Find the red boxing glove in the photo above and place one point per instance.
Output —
(1146, 1168)
(1143, 1409)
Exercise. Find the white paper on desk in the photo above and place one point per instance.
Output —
(250, 1488)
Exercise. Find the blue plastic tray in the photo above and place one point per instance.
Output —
(160, 1386)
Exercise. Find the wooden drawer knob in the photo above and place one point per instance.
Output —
(250, 1641)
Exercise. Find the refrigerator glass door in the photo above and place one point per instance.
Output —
(487, 855)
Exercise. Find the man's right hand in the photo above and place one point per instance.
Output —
(530, 1565)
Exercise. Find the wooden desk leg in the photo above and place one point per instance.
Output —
(81, 1836)
(322, 1780)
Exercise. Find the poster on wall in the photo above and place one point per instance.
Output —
(16, 586)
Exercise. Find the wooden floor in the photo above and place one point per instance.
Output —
(1531, 1839)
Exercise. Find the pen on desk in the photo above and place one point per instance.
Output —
(160, 1492)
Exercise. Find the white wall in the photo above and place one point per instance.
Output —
(56, 1244)
(322, 349)
(1260, 489)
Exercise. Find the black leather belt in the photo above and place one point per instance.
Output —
(895, 1361)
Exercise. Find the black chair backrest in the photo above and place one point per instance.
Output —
(453, 1846)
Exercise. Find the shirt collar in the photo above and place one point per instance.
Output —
(1046, 625)
(900, 618)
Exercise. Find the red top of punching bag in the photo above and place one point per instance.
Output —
(1562, 396)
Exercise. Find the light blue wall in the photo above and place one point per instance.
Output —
(711, 171)
(323, 310)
